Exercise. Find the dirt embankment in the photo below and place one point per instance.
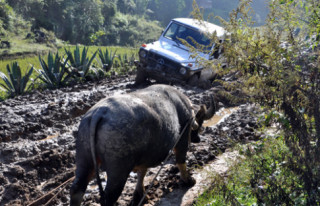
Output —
(37, 146)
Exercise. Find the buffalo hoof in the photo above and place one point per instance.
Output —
(137, 198)
(189, 182)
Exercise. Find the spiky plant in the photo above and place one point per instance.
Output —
(54, 73)
(15, 83)
(80, 61)
(124, 63)
(105, 59)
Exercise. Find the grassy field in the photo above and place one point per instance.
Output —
(26, 62)
(21, 45)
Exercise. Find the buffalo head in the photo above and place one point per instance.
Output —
(202, 115)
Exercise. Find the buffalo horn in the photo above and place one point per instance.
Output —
(195, 125)
(212, 109)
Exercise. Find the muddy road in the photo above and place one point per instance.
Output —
(37, 145)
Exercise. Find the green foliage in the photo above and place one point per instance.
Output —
(96, 36)
(262, 177)
(166, 10)
(106, 59)
(16, 84)
(109, 10)
(129, 30)
(5, 12)
(280, 70)
(54, 73)
(124, 63)
(79, 61)
(126, 6)
(81, 21)
(87, 20)
(95, 74)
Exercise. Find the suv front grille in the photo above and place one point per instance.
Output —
(169, 66)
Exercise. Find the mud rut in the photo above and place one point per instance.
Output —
(37, 146)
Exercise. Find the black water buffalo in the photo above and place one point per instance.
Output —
(132, 132)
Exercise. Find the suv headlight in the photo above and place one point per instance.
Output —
(183, 70)
(143, 54)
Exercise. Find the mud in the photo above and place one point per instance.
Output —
(37, 145)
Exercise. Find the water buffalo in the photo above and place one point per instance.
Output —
(132, 132)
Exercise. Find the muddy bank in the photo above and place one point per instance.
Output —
(37, 146)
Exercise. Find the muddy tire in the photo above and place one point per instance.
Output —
(205, 84)
(196, 81)
(141, 76)
(193, 80)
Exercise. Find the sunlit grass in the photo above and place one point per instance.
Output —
(20, 45)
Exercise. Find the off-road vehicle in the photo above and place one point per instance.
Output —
(170, 58)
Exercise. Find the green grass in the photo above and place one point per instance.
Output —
(23, 63)
(20, 46)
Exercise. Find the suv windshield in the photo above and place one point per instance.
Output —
(178, 32)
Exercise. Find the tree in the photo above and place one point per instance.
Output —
(165, 10)
(87, 19)
(108, 10)
(126, 6)
(5, 11)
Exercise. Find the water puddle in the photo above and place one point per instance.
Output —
(51, 136)
(220, 116)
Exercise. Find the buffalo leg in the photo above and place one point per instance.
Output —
(181, 164)
(185, 175)
(115, 184)
(79, 186)
(139, 191)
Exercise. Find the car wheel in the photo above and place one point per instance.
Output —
(193, 80)
(141, 76)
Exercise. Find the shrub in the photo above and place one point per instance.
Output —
(124, 63)
(16, 84)
(128, 30)
(106, 59)
(5, 12)
(261, 177)
(79, 61)
(54, 73)
(280, 69)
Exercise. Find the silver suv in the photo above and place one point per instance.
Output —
(170, 60)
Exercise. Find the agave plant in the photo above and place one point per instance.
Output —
(79, 61)
(54, 73)
(16, 83)
(105, 59)
(124, 63)
(95, 73)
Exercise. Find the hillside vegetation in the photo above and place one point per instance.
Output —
(101, 22)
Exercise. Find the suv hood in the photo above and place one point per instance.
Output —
(174, 51)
